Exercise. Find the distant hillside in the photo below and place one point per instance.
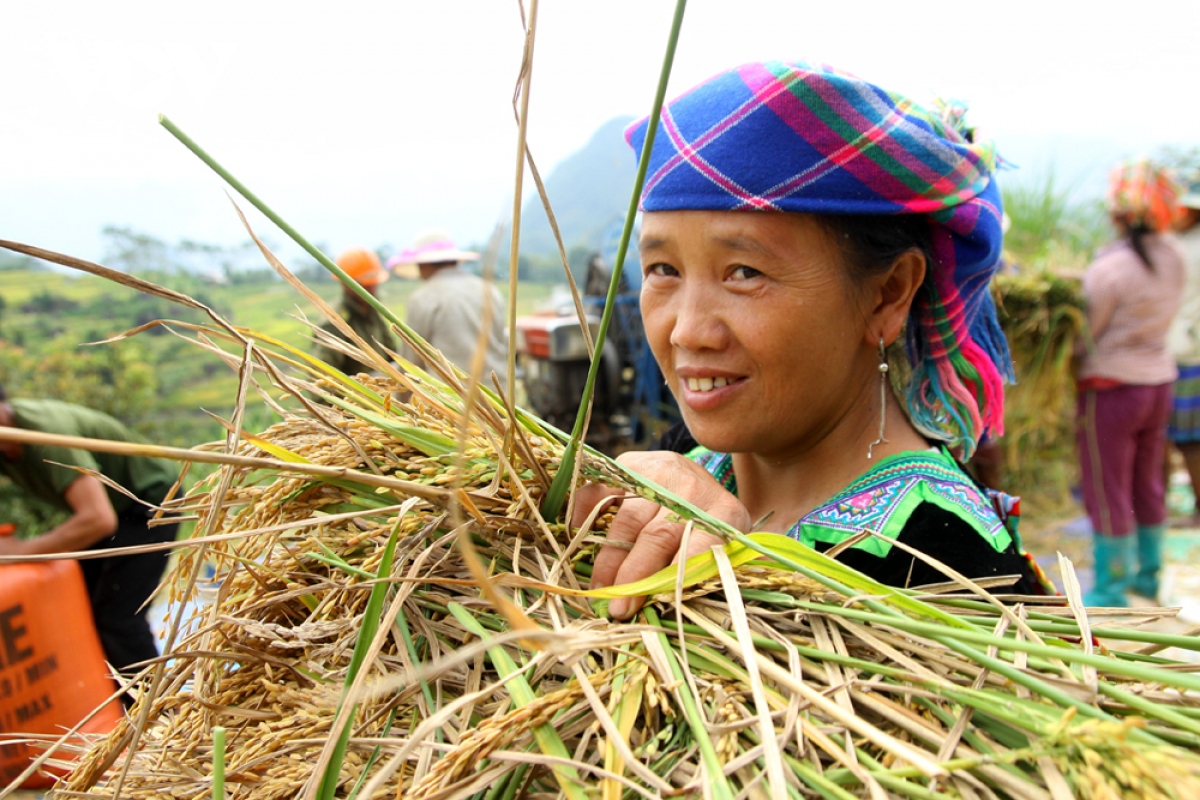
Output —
(156, 383)
(588, 191)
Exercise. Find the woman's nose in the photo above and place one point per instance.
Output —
(699, 321)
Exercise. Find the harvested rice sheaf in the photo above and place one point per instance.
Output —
(829, 683)
(1042, 315)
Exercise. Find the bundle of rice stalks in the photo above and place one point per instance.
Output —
(397, 618)
(1042, 314)
(413, 628)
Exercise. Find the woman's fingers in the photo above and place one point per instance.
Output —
(656, 546)
(623, 536)
(643, 537)
(588, 497)
(701, 542)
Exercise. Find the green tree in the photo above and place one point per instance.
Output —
(113, 379)
(135, 253)
(30, 516)
(47, 302)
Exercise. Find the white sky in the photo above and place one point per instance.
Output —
(368, 122)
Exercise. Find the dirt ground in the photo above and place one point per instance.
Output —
(1067, 530)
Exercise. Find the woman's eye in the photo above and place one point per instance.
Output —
(743, 273)
(663, 270)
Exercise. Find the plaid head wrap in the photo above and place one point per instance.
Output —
(1141, 192)
(793, 137)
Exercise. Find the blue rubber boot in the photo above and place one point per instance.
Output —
(1149, 554)
(1114, 558)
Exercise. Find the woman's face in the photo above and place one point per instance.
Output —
(758, 331)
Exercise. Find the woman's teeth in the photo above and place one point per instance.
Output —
(706, 384)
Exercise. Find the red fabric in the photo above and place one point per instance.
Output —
(1097, 384)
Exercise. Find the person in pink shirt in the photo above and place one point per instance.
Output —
(1133, 290)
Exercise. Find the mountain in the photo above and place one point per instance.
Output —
(589, 191)
(1078, 163)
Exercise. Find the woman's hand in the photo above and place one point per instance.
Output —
(653, 539)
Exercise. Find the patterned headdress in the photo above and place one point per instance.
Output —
(794, 137)
(1143, 192)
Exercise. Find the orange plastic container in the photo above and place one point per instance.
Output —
(52, 670)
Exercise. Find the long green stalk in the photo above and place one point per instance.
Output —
(557, 493)
(712, 763)
(1153, 710)
(818, 783)
(522, 695)
(292, 233)
(1179, 680)
(514, 786)
(370, 625)
(1065, 628)
(218, 773)
(890, 781)
(387, 730)
(410, 647)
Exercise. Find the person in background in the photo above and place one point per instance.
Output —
(1132, 290)
(365, 268)
(101, 517)
(803, 231)
(1184, 342)
(448, 310)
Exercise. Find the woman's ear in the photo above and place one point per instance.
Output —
(893, 297)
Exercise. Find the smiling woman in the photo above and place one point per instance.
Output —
(798, 222)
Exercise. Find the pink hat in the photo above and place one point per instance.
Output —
(432, 247)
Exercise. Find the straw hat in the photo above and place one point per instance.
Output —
(431, 247)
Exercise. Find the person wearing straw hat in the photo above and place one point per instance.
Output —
(100, 516)
(803, 233)
(448, 310)
(1184, 342)
(365, 268)
(1132, 291)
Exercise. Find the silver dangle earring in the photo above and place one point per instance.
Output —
(883, 371)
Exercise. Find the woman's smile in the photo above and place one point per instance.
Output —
(702, 389)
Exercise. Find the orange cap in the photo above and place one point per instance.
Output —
(362, 265)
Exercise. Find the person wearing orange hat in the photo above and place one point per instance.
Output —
(365, 268)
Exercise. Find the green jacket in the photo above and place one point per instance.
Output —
(366, 322)
(147, 478)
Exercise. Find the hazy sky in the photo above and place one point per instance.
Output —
(367, 122)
